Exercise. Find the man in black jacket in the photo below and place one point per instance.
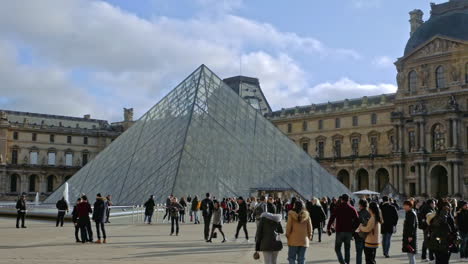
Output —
(390, 220)
(462, 223)
(427, 208)
(242, 213)
(21, 210)
(207, 207)
(75, 220)
(62, 208)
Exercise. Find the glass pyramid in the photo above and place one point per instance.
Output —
(202, 137)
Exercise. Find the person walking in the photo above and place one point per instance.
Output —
(242, 214)
(410, 232)
(174, 210)
(109, 205)
(99, 217)
(426, 209)
(360, 237)
(195, 208)
(75, 220)
(217, 222)
(149, 210)
(373, 232)
(462, 224)
(183, 203)
(21, 211)
(390, 221)
(267, 237)
(62, 208)
(168, 205)
(207, 211)
(83, 211)
(298, 233)
(441, 226)
(347, 221)
(317, 216)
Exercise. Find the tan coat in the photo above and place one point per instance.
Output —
(299, 232)
(373, 228)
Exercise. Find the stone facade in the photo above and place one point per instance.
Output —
(39, 152)
(416, 139)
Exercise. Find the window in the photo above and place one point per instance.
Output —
(305, 147)
(320, 124)
(289, 129)
(50, 183)
(33, 157)
(355, 146)
(440, 77)
(412, 81)
(337, 123)
(337, 147)
(14, 156)
(84, 159)
(14, 183)
(15, 135)
(355, 121)
(34, 137)
(304, 126)
(69, 139)
(32, 183)
(85, 140)
(373, 145)
(374, 119)
(51, 158)
(52, 138)
(320, 149)
(69, 159)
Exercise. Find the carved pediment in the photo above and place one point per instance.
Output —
(436, 46)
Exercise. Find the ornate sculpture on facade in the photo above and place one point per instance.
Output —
(455, 72)
(419, 108)
(373, 148)
(452, 103)
(3, 115)
(400, 77)
(424, 75)
(438, 137)
(412, 141)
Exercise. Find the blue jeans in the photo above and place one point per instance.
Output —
(296, 253)
(386, 240)
(343, 238)
(464, 245)
(360, 243)
(411, 258)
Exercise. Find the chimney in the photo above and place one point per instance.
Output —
(128, 114)
(416, 20)
(88, 116)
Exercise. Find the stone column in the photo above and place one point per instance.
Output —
(450, 179)
(401, 177)
(372, 180)
(428, 180)
(456, 178)
(423, 178)
(422, 137)
(418, 179)
(450, 133)
(396, 143)
(418, 135)
(400, 138)
(392, 175)
(455, 133)
(24, 184)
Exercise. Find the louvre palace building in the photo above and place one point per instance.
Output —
(417, 138)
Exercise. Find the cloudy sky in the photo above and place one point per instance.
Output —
(74, 57)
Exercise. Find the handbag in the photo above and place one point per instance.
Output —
(256, 255)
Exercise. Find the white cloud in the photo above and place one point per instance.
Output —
(134, 61)
(383, 62)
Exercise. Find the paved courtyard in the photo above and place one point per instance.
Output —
(42, 242)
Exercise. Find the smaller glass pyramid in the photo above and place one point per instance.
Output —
(202, 137)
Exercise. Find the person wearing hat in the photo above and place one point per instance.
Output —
(99, 217)
(242, 214)
(21, 210)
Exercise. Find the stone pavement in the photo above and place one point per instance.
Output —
(42, 242)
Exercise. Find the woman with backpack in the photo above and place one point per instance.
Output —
(267, 237)
(298, 233)
(373, 233)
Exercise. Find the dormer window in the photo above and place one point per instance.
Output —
(440, 77)
(412, 81)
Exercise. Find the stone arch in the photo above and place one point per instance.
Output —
(382, 177)
(343, 177)
(439, 181)
(33, 183)
(362, 179)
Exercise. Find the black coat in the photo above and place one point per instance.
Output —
(207, 207)
(317, 215)
(390, 218)
(441, 228)
(75, 215)
(21, 205)
(149, 207)
(271, 208)
(99, 212)
(267, 237)
(462, 221)
(410, 229)
(242, 213)
(62, 205)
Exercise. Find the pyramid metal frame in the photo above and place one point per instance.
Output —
(201, 137)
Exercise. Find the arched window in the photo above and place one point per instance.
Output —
(50, 183)
(374, 119)
(412, 81)
(14, 183)
(440, 77)
(32, 183)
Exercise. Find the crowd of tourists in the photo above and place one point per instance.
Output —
(369, 222)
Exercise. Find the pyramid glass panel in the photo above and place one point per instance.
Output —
(202, 137)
